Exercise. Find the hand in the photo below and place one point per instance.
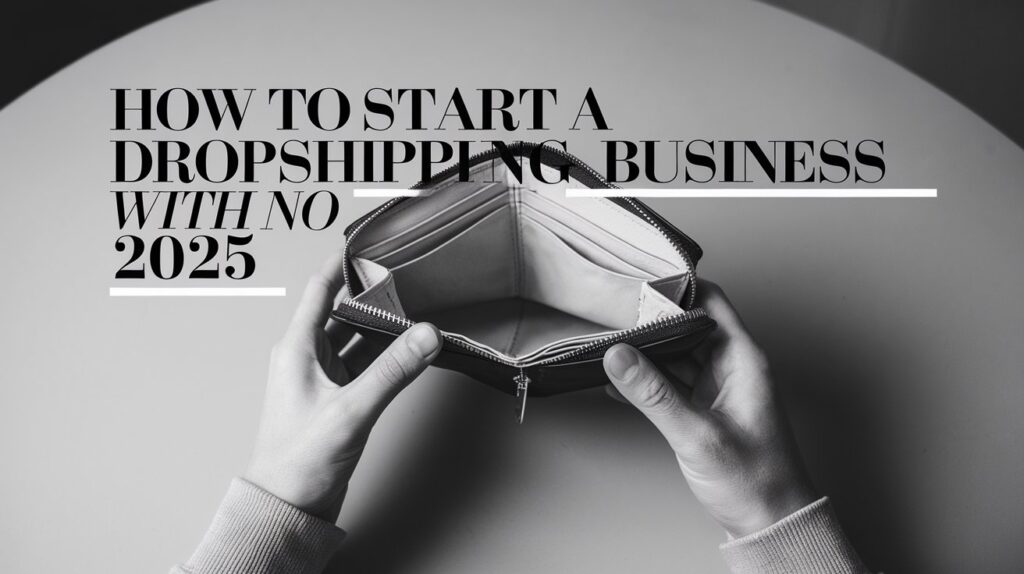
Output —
(724, 423)
(315, 422)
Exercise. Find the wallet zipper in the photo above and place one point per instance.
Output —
(396, 324)
(522, 381)
(522, 387)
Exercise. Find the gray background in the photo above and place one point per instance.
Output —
(961, 46)
(894, 326)
(970, 49)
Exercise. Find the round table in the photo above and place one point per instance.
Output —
(894, 326)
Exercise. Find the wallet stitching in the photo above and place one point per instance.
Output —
(570, 231)
(403, 243)
(400, 208)
(611, 208)
(362, 277)
(640, 301)
(416, 244)
(517, 259)
(517, 328)
(394, 305)
(437, 189)
(516, 231)
(680, 290)
(650, 231)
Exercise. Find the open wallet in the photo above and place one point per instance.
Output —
(529, 288)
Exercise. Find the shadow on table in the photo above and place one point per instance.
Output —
(844, 426)
(458, 458)
(447, 468)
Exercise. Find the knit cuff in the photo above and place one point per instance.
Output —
(256, 532)
(809, 541)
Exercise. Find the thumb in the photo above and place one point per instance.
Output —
(643, 385)
(396, 367)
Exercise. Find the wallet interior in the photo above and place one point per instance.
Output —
(518, 268)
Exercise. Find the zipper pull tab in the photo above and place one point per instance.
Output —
(522, 386)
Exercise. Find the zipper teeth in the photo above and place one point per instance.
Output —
(344, 268)
(385, 315)
(452, 169)
(378, 312)
(406, 323)
(683, 317)
(585, 167)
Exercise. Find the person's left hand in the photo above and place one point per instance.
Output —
(723, 420)
(315, 422)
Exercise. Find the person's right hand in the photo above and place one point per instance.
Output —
(317, 414)
(724, 423)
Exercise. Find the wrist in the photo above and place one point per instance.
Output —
(772, 505)
(319, 500)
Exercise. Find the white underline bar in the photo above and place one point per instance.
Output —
(385, 192)
(197, 292)
(710, 192)
(762, 193)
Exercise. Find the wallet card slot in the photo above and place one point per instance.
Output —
(654, 305)
(560, 277)
(586, 246)
(382, 294)
(478, 265)
(437, 237)
(471, 266)
(517, 273)
(624, 250)
(405, 225)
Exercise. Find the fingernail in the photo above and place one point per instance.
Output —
(622, 363)
(423, 340)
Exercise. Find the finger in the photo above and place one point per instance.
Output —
(705, 390)
(333, 268)
(717, 304)
(614, 393)
(719, 308)
(394, 369)
(314, 305)
(644, 385)
(731, 348)
(318, 297)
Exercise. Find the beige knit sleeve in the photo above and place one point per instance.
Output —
(809, 541)
(255, 532)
